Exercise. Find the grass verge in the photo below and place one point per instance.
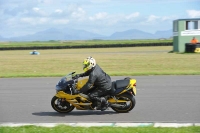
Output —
(128, 61)
(78, 43)
(68, 129)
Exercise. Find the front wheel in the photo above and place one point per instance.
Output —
(126, 106)
(61, 105)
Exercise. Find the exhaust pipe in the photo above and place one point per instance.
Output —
(117, 105)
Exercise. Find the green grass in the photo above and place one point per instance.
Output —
(78, 43)
(115, 61)
(67, 129)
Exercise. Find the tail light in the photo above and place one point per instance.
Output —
(134, 84)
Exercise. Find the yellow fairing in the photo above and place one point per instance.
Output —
(81, 83)
(62, 94)
(133, 82)
(72, 100)
(134, 90)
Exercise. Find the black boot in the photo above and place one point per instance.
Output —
(104, 104)
(98, 105)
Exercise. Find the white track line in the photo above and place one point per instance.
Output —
(176, 125)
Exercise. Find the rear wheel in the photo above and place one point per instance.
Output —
(126, 106)
(61, 105)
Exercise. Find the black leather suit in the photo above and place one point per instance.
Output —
(99, 79)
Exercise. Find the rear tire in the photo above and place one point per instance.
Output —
(61, 106)
(125, 96)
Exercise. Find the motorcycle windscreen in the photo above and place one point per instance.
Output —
(63, 84)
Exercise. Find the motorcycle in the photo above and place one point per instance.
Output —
(121, 97)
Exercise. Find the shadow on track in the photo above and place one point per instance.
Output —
(75, 113)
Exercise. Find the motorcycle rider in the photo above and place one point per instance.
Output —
(97, 78)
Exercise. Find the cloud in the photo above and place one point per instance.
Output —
(16, 7)
(152, 18)
(165, 18)
(38, 11)
(27, 20)
(133, 15)
(47, 1)
(58, 11)
(34, 21)
(99, 1)
(102, 15)
(78, 14)
(158, 20)
(193, 13)
(99, 16)
(60, 21)
(114, 18)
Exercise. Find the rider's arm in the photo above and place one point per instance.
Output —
(84, 74)
(89, 83)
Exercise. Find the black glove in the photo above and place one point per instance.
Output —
(79, 75)
(76, 76)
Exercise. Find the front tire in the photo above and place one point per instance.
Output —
(61, 105)
(127, 107)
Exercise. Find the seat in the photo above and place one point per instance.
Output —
(118, 86)
(121, 83)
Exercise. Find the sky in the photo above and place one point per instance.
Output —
(104, 17)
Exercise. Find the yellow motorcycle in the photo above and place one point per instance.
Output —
(121, 97)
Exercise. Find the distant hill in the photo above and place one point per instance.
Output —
(163, 34)
(57, 34)
(72, 34)
(132, 34)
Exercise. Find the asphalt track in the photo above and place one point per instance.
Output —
(174, 99)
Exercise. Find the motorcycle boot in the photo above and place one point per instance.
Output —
(104, 104)
(98, 105)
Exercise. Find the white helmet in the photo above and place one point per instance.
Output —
(88, 63)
